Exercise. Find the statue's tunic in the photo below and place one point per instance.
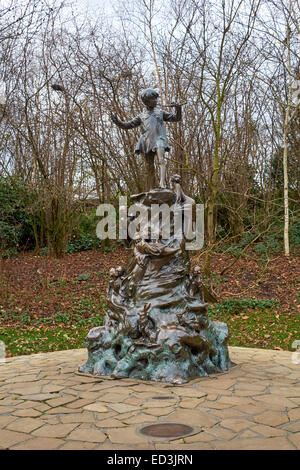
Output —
(153, 128)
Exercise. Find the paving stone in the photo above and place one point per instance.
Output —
(27, 390)
(10, 438)
(40, 406)
(11, 401)
(185, 447)
(249, 409)
(199, 437)
(50, 420)
(93, 396)
(110, 446)
(52, 388)
(132, 400)
(218, 383)
(246, 386)
(190, 402)
(229, 413)
(120, 389)
(292, 391)
(236, 424)
(218, 406)
(141, 418)
(269, 405)
(87, 435)
(294, 414)
(295, 439)
(211, 396)
(274, 443)
(122, 407)
(84, 417)
(158, 411)
(86, 380)
(98, 407)
(190, 392)
(220, 433)
(277, 400)
(247, 433)
(55, 430)
(271, 418)
(27, 412)
(120, 416)
(102, 386)
(268, 431)
(248, 393)
(5, 409)
(193, 418)
(125, 436)
(40, 396)
(82, 387)
(25, 425)
(28, 404)
(230, 400)
(114, 397)
(159, 403)
(143, 396)
(22, 378)
(79, 403)
(62, 410)
(292, 427)
(296, 400)
(70, 391)
(109, 423)
(5, 420)
(78, 445)
(60, 401)
(41, 443)
(148, 388)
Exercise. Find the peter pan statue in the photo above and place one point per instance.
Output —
(153, 140)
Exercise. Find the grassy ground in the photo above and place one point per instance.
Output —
(49, 305)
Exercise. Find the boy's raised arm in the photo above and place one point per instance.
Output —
(135, 122)
(173, 117)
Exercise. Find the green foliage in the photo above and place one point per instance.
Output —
(84, 237)
(84, 277)
(91, 307)
(259, 326)
(83, 243)
(15, 224)
(267, 244)
(20, 340)
(236, 306)
(60, 317)
(295, 234)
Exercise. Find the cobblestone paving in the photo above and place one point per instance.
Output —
(46, 404)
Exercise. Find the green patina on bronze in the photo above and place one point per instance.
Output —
(156, 327)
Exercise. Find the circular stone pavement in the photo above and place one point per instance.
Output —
(46, 404)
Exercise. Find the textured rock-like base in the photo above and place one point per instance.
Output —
(179, 359)
(156, 327)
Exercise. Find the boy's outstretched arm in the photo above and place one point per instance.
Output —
(173, 117)
(135, 122)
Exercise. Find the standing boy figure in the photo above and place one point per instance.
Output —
(153, 140)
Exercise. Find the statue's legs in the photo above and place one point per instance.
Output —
(150, 171)
(162, 166)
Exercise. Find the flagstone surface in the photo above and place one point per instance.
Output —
(46, 404)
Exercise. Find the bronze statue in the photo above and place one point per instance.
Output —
(153, 140)
(157, 325)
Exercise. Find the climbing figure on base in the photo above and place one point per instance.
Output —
(153, 140)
